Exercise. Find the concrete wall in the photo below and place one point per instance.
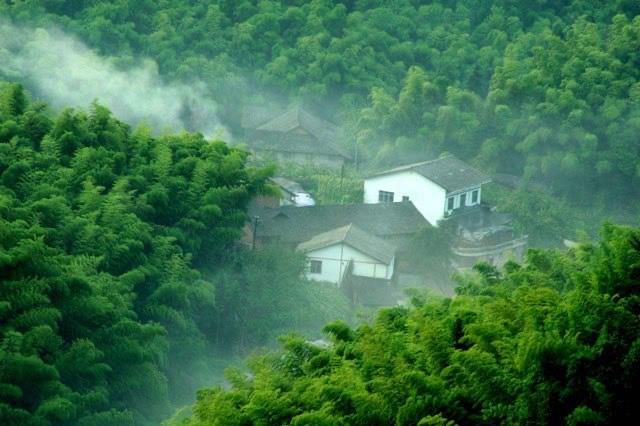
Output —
(428, 197)
(335, 260)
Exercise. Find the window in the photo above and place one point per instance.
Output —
(405, 198)
(450, 203)
(463, 200)
(474, 197)
(315, 266)
(385, 197)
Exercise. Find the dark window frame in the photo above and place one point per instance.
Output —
(450, 203)
(385, 196)
(463, 200)
(315, 266)
(475, 196)
(405, 198)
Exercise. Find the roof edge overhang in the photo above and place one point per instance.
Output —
(465, 189)
(334, 243)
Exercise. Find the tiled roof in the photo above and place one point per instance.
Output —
(298, 117)
(291, 224)
(354, 237)
(447, 171)
(302, 144)
(277, 126)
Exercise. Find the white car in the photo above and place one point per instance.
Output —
(303, 199)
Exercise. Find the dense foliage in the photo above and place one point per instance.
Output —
(548, 89)
(120, 272)
(555, 340)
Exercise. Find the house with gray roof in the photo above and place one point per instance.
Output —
(348, 250)
(436, 187)
(294, 136)
(448, 190)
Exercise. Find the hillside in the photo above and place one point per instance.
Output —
(132, 272)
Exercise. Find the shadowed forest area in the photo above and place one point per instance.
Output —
(126, 283)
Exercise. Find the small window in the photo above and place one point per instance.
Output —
(405, 198)
(474, 197)
(450, 203)
(385, 197)
(315, 266)
(463, 200)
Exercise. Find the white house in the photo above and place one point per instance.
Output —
(348, 250)
(436, 187)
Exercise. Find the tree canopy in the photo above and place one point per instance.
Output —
(121, 272)
(544, 90)
(121, 276)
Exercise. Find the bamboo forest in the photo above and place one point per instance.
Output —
(289, 212)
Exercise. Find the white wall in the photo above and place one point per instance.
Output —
(428, 197)
(335, 260)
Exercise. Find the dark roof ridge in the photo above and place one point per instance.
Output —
(411, 165)
(354, 237)
(298, 224)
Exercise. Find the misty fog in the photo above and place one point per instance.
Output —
(66, 73)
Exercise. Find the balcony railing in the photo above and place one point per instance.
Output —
(490, 249)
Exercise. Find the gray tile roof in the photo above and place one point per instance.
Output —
(276, 126)
(302, 144)
(447, 171)
(354, 237)
(293, 225)
(298, 117)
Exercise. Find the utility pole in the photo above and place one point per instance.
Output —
(256, 219)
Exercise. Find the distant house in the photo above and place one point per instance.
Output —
(348, 250)
(436, 187)
(448, 189)
(293, 136)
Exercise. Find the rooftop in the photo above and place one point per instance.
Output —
(303, 144)
(292, 224)
(354, 237)
(287, 185)
(321, 138)
(447, 171)
(296, 117)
